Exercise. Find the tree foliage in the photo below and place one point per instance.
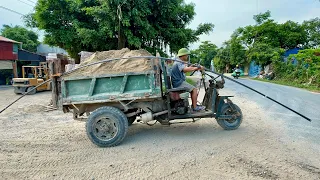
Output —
(264, 42)
(312, 29)
(28, 38)
(307, 71)
(95, 25)
(232, 53)
(262, 17)
(222, 59)
(204, 54)
(264, 54)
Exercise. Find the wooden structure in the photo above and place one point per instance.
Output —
(56, 64)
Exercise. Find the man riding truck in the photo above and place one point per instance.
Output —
(178, 77)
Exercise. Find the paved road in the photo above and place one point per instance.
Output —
(305, 102)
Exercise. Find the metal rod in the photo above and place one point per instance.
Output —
(261, 94)
(24, 95)
(160, 113)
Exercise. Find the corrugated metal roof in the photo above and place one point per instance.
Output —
(24, 55)
(7, 40)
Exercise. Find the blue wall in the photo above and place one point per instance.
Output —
(254, 69)
(288, 53)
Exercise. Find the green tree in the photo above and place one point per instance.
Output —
(95, 25)
(264, 54)
(262, 17)
(28, 38)
(205, 53)
(291, 35)
(222, 59)
(231, 54)
(264, 41)
(312, 29)
(237, 51)
(287, 35)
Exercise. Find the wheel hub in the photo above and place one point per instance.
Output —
(233, 114)
(105, 128)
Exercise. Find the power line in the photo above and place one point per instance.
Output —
(26, 3)
(11, 10)
(32, 1)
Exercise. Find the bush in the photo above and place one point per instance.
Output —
(307, 71)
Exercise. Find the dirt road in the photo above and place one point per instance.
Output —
(50, 145)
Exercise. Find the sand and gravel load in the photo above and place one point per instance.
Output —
(115, 66)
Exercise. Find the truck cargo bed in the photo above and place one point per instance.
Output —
(110, 88)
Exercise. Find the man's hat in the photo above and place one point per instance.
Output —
(183, 51)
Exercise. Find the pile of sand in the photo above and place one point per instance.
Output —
(115, 66)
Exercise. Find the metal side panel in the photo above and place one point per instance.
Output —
(109, 89)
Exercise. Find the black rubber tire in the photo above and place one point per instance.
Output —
(120, 121)
(34, 91)
(131, 120)
(226, 125)
(16, 91)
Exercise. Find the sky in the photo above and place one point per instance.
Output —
(226, 15)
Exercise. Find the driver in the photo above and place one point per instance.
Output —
(179, 78)
(237, 68)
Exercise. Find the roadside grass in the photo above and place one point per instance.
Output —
(312, 88)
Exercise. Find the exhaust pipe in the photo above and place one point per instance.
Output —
(146, 117)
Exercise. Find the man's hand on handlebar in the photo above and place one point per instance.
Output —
(200, 68)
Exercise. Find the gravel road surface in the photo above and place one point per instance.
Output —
(271, 143)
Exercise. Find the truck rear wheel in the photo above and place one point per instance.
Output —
(107, 126)
(231, 124)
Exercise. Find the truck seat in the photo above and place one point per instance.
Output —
(171, 89)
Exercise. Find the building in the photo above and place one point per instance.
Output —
(13, 57)
(8, 56)
(26, 58)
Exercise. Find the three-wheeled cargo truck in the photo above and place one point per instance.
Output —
(109, 103)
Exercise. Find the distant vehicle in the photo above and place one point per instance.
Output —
(237, 73)
(31, 77)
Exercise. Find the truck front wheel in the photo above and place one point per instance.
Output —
(230, 124)
(107, 126)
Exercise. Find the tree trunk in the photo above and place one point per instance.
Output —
(121, 40)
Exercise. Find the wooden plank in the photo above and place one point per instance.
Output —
(54, 92)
